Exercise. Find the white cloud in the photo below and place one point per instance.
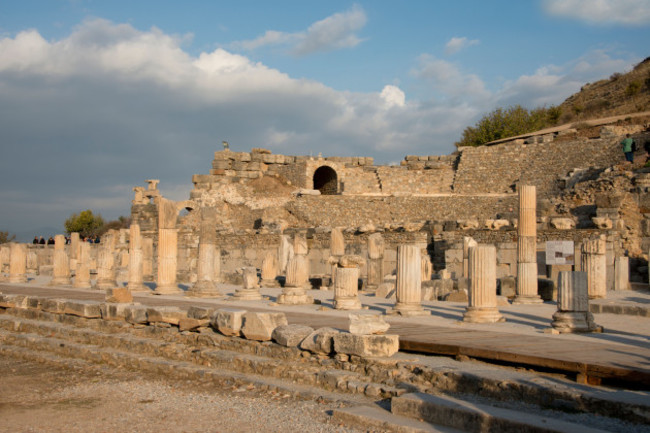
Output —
(456, 44)
(622, 12)
(448, 80)
(332, 33)
(393, 96)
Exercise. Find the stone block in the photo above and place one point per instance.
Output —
(320, 341)
(366, 324)
(171, 315)
(13, 301)
(228, 321)
(291, 335)
(386, 290)
(366, 346)
(260, 326)
(454, 255)
(87, 309)
(458, 296)
(563, 223)
(192, 324)
(135, 314)
(506, 255)
(200, 312)
(115, 311)
(119, 295)
(53, 305)
(507, 286)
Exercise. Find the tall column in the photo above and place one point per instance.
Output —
(375, 261)
(74, 250)
(82, 270)
(205, 285)
(135, 278)
(408, 290)
(622, 273)
(5, 257)
(468, 242)
(18, 263)
(60, 264)
(167, 248)
(346, 291)
(270, 270)
(594, 263)
(285, 252)
(337, 250)
(297, 277)
(482, 286)
(573, 304)
(147, 259)
(527, 247)
(301, 248)
(250, 290)
(106, 262)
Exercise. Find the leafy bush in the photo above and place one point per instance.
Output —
(5, 237)
(632, 88)
(85, 223)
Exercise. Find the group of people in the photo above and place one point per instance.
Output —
(629, 146)
(41, 240)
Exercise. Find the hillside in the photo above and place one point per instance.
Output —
(621, 93)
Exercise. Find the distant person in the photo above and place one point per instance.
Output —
(96, 239)
(41, 241)
(50, 241)
(35, 241)
(628, 148)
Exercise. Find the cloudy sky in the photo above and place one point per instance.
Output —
(97, 96)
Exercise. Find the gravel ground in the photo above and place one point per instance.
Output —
(37, 397)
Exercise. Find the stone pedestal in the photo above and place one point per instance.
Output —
(527, 247)
(482, 286)
(82, 271)
(297, 278)
(17, 263)
(573, 314)
(375, 261)
(106, 263)
(250, 290)
(622, 273)
(270, 270)
(337, 250)
(594, 263)
(60, 263)
(205, 285)
(346, 291)
(136, 259)
(408, 290)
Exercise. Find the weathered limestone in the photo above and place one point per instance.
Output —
(205, 285)
(60, 264)
(365, 324)
(468, 242)
(346, 291)
(74, 250)
(5, 257)
(622, 273)
(527, 247)
(408, 291)
(366, 346)
(87, 309)
(594, 263)
(293, 292)
(106, 262)
(167, 248)
(228, 321)
(573, 304)
(320, 341)
(427, 268)
(147, 259)
(270, 270)
(120, 295)
(285, 252)
(482, 286)
(135, 275)
(82, 272)
(375, 261)
(18, 263)
(337, 250)
(260, 326)
(291, 335)
(250, 291)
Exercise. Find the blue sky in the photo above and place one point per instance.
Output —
(97, 96)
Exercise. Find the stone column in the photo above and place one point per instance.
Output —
(74, 250)
(147, 259)
(573, 304)
(5, 257)
(17, 263)
(482, 286)
(375, 261)
(135, 278)
(294, 292)
(82, 271)
(270, 270)
(301, 248)
(622, 273)
(60, 264)
(337, 250)
(250, 291)
(527, 247)
(468, 242)
(106, 262)
(594, 263)
(205, 285)
(285, 252)
(408, 290)
(427, 267)
(346, 291)
(167, 248)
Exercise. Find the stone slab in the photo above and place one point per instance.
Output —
(366, 346)
(228, 321)
(87, 309)
(291, 335)
(260, 326)
(366, 324)
(320, 341)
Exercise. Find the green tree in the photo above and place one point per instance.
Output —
(121, 222)
(5, 237)
(85, 223)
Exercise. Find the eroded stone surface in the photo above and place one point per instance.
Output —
(228, 321)
(365, 324)
(260, 326)
(320, 341)
(291, 335)
(366, 345)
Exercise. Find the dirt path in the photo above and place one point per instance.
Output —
(36, 397)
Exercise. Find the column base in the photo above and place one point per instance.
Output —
(347, 304)
(406, 310)
(483, 315)
(270, 283)
(294, 296)
(528, 299)
(574, 322)
(167, 290)
(203, 289)
(246, 295)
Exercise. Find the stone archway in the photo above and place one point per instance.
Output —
(326, 180)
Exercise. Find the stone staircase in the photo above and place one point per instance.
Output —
(373, 393)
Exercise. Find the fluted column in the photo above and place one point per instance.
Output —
(106, 262)
(74, 251)
(82, 270)
(5, 257)
(250, 290)
(468, 242)
(346, 291)
(297, 278)
(527, 247)
(205, 285)
(573, 304)
(594, 263)
(375, 261)
(136, 279)
(408, 290)
(270, 270)
(60, 264)
(18, 263)
(482, 267)
(622, 273)
(167, 248)
(147, 259)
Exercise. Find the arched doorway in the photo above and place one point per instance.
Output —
(326, 180)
